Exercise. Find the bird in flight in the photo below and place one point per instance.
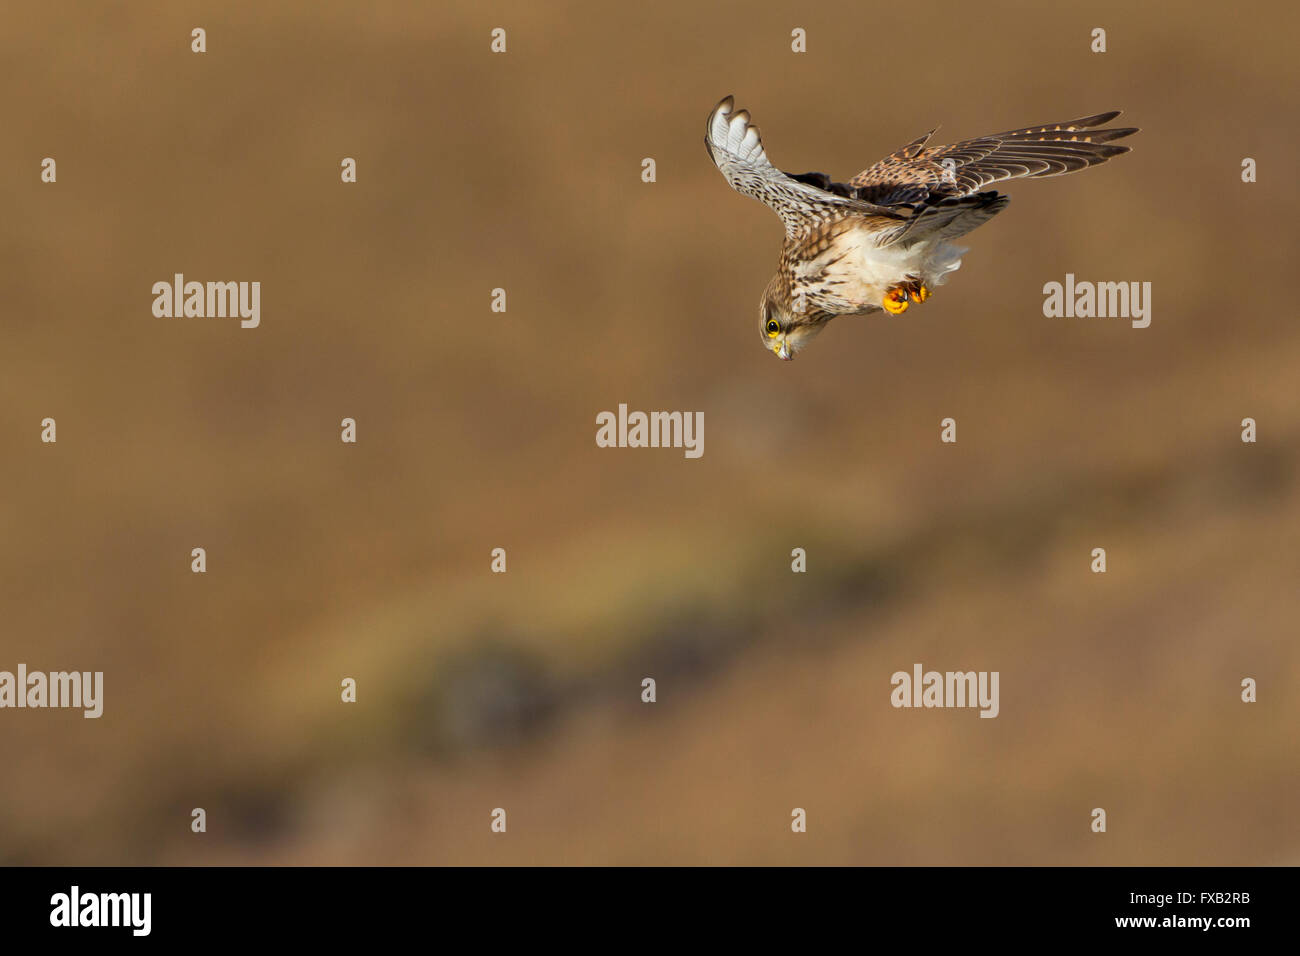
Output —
(881, 240)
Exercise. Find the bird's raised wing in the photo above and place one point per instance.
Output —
(737, 151)
(915, 174)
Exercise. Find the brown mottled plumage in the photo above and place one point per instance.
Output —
(881, 238)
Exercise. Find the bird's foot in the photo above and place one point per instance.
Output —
(898, 298)
(895, 301)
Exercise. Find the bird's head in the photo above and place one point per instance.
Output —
(785, 329)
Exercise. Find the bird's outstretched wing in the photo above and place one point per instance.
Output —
(939, 191)
(737, 151)
(915, 174)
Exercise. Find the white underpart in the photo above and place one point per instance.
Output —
(866, 272)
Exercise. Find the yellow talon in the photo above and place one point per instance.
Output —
(920, 293)
(895, 301)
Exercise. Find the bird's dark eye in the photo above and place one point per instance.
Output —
(773, 327)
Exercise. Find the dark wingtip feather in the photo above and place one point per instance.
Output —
(1108, 151)
(1085, 127)
(1106, 135)
(1098, 119)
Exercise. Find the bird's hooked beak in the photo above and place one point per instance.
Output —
(782, 350)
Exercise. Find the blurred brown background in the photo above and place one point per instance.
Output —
(476, 430)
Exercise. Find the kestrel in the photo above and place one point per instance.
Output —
(881, 240)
